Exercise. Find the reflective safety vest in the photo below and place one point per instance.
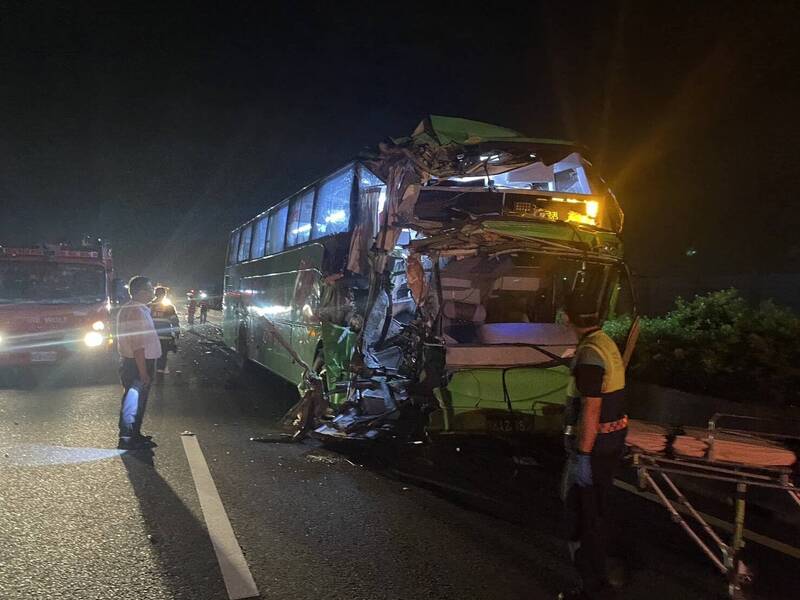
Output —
(164, 317)
(606, 348)
(612, 412)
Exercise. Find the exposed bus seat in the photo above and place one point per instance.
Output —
(461, 320)
(460, 289)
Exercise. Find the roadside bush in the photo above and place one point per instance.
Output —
(720, 345)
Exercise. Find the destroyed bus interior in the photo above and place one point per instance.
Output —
(421, 288)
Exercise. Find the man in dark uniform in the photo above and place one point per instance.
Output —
(203, 307)
(191, 307)
(595, 429)
(165, 319)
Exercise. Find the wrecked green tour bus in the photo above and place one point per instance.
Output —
(422, 285)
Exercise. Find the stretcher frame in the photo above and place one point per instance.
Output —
(726, 556)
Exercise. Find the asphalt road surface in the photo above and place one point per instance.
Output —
(82, 520)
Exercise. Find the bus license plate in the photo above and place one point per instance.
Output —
(508, 424)
(44, 356)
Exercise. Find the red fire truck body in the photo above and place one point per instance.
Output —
(54, 303)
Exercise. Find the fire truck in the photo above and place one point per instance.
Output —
(55, 302)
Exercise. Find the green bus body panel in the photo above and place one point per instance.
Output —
(275, 279)
(337, 343)
(474, 400)
(449, 130)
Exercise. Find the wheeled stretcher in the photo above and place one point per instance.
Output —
(741, 457)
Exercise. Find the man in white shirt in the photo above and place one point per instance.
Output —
(139, 347)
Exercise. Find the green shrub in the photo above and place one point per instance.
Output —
(720, 345)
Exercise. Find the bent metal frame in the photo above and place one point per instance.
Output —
(726, 556)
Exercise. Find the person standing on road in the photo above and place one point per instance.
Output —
(138, 345)
(594, 437)
(203, 309)
(191, 307)
(165, 319)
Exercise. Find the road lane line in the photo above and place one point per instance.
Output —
(753, 536)
(238, 579)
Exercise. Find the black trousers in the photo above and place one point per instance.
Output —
(167, 345)
(585, 509)
(132, 407)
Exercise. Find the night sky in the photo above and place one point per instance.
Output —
(161, 128)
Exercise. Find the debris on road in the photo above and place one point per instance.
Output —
(277, 438)
(321, 458)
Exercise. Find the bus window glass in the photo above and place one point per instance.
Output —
(371, 195)
(333, 204)
(367, 179)
(259, 238)
(244, 244)
(234, 247)
(300, 218)
(277, 229)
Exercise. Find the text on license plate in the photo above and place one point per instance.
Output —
(510, 424)
(44, 356)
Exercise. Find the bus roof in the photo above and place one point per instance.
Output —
(454, 130)
(445, 146)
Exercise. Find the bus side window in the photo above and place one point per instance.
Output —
(233, 251)
(259, 238)
(333, 204)
(277, 229)
(299, 227)
(244, 245)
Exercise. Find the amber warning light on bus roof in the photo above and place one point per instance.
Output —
(555, 208)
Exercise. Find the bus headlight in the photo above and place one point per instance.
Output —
(93, 339)
(1, 339)
(98, 326)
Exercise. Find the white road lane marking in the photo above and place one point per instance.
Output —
(238, 579)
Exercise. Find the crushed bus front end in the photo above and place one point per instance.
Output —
(479, 236)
